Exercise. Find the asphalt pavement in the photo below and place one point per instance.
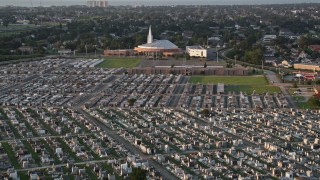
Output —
(274, 79)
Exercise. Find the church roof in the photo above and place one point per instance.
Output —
(159, 44)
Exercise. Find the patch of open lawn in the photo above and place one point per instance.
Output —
(232, 80)
(312, 103)
(237, 84)
(119, 62)
(298, 98)
(292, 90)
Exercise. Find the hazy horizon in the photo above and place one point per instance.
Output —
(33, 3)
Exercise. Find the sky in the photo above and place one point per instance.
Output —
(151, 2)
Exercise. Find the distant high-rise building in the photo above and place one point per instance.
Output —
(97, 3)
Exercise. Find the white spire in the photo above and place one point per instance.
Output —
(150, 37)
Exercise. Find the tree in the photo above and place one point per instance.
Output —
(187, 56)
(131, 101)
(317, 96)
(205, 112)
(229, 65)
(71, 45)
(309, 82)
(139, 39)
(138, 174)
(254, 57)
(5, 22)
(280, 40)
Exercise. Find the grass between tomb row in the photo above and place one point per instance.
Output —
(237, 84)
(119, 62)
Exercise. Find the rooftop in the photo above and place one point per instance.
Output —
(195, 47)
(159, 44)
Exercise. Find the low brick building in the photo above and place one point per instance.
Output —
(119, 52)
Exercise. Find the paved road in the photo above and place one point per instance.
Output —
(173, 101)
(164, 172)
(179, 89)
(273, 78)
(288, 97)
(184, 80)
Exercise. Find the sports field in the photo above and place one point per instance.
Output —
(119, 62)
(248, 84)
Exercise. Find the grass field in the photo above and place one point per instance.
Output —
(247, 84)
(119, 62)
(232, 80)
(292, 90)
(312, 103)
(298, 98)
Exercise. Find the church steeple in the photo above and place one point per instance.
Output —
(150, 37)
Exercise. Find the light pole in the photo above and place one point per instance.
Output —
(95, 50)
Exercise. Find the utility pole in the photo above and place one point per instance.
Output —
(85, 46)
(217, 53)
